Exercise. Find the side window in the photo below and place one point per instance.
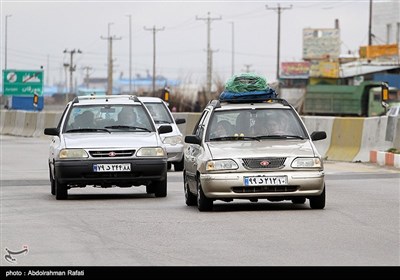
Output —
(199, 128)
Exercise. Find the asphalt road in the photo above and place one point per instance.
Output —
(127, 227)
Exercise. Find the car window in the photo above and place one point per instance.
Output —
(254, 123)
(159, 112)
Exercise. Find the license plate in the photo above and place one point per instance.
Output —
(117, 167)
(265, 181)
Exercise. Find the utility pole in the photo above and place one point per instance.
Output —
(5, 42)
(279, 9)
(370, 24)
(209, 19)
(154, 30)
(87, 69)
(233, 47)
(72, 67)
(66, 66)
(130, 53)
(110, 60)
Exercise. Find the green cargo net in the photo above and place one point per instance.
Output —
(246, 82)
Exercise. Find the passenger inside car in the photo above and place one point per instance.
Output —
(127, 117)
(223, 128)
(84, 120)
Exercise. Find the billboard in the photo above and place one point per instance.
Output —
(321, 43)
(379, 51)
(299, 70)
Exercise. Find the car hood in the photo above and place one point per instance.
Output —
(114, 140)
(264, 148)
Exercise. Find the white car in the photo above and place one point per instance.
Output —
(173, 141)
(107, 141)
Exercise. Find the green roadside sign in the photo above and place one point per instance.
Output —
(22, 82)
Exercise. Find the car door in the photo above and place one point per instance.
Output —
(193, 151)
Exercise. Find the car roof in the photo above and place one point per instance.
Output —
(277, 104)
(106, 99)
(151, 99)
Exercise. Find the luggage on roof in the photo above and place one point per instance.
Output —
(245, 87)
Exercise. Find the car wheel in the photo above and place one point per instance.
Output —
(299, 200)
(178, 166)
(190, 198)
(52, 184)
(203, 202)
(318, 202)
(169, 165)
(160, 188)
(61, 190)
(150, 189)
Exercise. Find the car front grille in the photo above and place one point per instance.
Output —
(264, 189)
(112, 153)
(263, 163)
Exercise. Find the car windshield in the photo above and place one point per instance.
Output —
(108, 118)
(260, 124)
(159, 112)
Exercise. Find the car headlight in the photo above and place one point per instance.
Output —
(307, 163)
(225, 164)
(151, 152)
(173, 140)
(73, 153)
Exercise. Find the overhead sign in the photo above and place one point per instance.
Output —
(22, 82)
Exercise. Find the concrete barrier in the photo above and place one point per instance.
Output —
(348, 139)
(314, 123)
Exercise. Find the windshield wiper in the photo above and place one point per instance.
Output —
(128, 127)
(88, 130)
(277, 136)
(161, 121)
(234, 138)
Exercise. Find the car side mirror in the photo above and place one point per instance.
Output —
(164, 129)
(180, 121)
(51, 131)
(318, 135)
(193, 139)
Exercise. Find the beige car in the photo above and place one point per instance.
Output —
(252, 150)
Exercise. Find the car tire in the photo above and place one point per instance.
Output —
(299, 200)
(61, 190)
(190, 198)
(160, 188)
(150, 189)
(52, 183)
(178, 166)
(203, 203)
(318, 202)
(169, 165)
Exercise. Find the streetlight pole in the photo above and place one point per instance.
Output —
(130, 53)
(5, 42)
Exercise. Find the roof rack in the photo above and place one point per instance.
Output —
(99, 97)
(257, 100)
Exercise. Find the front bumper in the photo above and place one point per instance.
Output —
(231, 185)
(80, 172)
(174, 152)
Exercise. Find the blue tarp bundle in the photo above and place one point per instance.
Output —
(247, 95)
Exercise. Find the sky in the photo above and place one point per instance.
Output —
(38, 32)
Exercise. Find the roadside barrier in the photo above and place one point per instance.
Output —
(348, 139)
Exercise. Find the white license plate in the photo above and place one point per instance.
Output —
(265, 181)
(116, 167)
